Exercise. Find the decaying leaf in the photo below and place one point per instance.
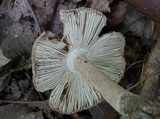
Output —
(15, 65)
(101, 5)
(13, 91)
(42, 105)
(117, 14)
(35, 115)
(12, 111)
(138, 25)
(56, 24)
(4, 83)
(21, 21)
(3, 59)
(21, 33)
(18, 9)
(150, 8)
(155, 36)
(150, 73)
(20, 39)
(29, 18)
(5, 22)
(43, 10)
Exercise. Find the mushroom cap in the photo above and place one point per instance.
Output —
(51, 70)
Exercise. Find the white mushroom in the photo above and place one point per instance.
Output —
(56, 62)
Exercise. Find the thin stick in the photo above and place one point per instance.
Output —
(23, 102)
(133, 64)
(143, 80)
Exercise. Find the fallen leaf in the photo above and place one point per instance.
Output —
(44, 10)
(4, 83)
(150, 74)
(43, 105)
(117, 14)
(13, 91)
(15, 65)
(13, 111)
(57, 24)
(30, 17)
(5, 22)
(137, 25)
(3, 59)
(35, 115)
(22, 31)
(20, 39)
(18, 9)
(101, 5)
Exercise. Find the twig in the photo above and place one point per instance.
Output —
(23, 102)
(143, 80)
(15, 69)
(133, 64)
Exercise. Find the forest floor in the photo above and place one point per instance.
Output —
(21, 22)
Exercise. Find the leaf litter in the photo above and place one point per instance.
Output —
(22, 21)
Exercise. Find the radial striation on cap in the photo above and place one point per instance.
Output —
(52, 59)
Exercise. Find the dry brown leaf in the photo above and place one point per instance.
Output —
(44, 10)
(4, 83)
(101, 5)
(29, 18)
(42, 105)
(19, 40)
(117, 14)
(12, 111)
(156, 32)
(35, 115)
(150, 74)
(21, 9)
(13, 91)
(57, 24)
(5, 22)
(134, 23)
(21, 33)
(137, 25)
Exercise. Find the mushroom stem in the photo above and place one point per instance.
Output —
(109, 89)
(120, 99)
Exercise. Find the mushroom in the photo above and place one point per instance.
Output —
(82, 68)
(70, 67)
